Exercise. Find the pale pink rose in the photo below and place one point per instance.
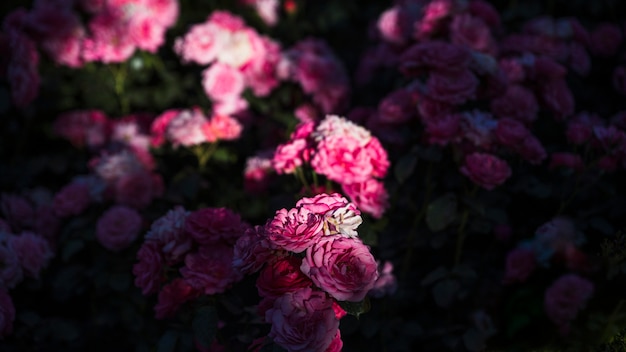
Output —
(565, 298)
(343, 159)
(11, 272)
(486, 170)
(290, 155)
(221, 81)
(518, 103)
(341, 217)
(66, 49)
(83, 128)
(510, 132)
(303, 320)
(336, 126)
(118, 227)
(606, 39)
(209, 226)
(532, 150)
(261, 72)
(257, 174)
(444, 130)
(109, 41)
(472, 32)
(387, 283)
(200, 44)
(434, 54)
(453, 88)
(148, 270)
(222, 127)
(342, 267)
(187, 128)
(267, 10)
(7, 313)
(71, 200)
(568, 160)
(294, 230)
(281, 276)
(370, 196)
(172, 296)
(393, 26)
(557, 97)
(17, 210)
(520, 263)
(252, 250)
(234, 105)
(397, 107)
(167, 232)
(209, 270)
(33, 252)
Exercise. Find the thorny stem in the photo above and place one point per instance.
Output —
(413, 231)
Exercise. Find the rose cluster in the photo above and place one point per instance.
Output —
(343, 152)
(309, 259)
(187, 254)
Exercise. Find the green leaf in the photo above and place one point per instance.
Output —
(167, 342)
(204, 325)
(356, 308)
(405, 167)
(441, 212)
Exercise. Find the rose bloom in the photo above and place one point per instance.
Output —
(210, 226)
(370, 196)
(17, 210)
(444, 130)
(510, 132)
(470, 31)
(343, 159)
(252, 250)
(7, 313)
(221, 82)
(138, 189)
(83, 128)
(520, 262)
(118, 227)
(210, 270)
(33, 252)
(186, 128)
(434, 55)
(167, 232)
(531, 150)
(172, 297)
(71, 200)
(294, 230)
(303, 321)
(289, 156)
(257, 174)
(452, 87)
(342, 267)
(281, 276)
(341, 217)
(397, 107)
(565, 298)
(392, 25)
(222, 127)
(486, 170)
(568, 160)
(148, 270)
(518, 103)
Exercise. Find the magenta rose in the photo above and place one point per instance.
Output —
(486, 170)
(343, 267)
(213, 225)
(520, 262)
(7, 313)
(565, 298)
(434, 54)
(172, 297)
(210, 269)
(294, 230)
(453, 88)
(148, 271)
(71, 200)
(252, 251)
(510, 132)
(369, 196)
(303, 321)
(118, 227)
(518, 102)
(281, 276)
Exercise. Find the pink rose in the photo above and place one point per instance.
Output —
(370, 196)
(303, 321)
(486, 170)
(158, 128)
(83, 128)
(210, 226)
(393, 25)
(222, 127)
(343, 159)
(118, 227)
(186, 128)
(341, 217)
(454, 88)
(342, 267)
(172, 297)
(520, 262)
(33, 252)
(336, 344)
(294, 230)
(7, 313)
(71, 200)
(281, 276)
(221, 82)
(148, 270)
(565, 298)
(209, 270)
(289, 156)
(167, 232)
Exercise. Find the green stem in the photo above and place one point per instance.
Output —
(300, 175)
(119, 78)
(204, 153)
(315, 181)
